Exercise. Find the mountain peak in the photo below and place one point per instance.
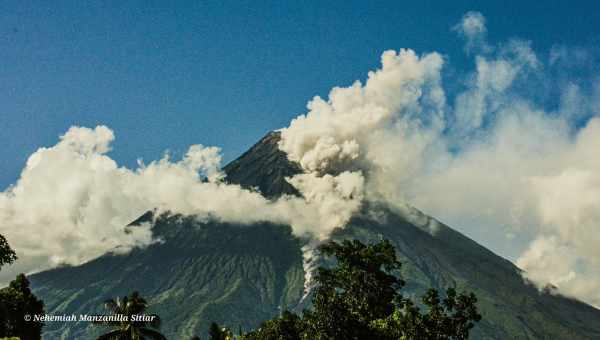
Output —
(264, 167)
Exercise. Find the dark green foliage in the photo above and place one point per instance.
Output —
(216, 332)
(451, 318)
(288, 326)
(358, 290)
(17, 301)
(7, 255)
(359, 299)
(128, 328)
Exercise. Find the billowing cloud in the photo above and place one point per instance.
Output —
(333, 131)
(333, 135)
(515, 172)
(72, 201)
(568, 206)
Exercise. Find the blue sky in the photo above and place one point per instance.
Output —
(221, 73)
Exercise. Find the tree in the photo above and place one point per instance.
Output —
(359, 298)
(451, 318)
(7, 255)
(216, 332)
(288, 326)
(17, 302)
(358, 290)
(130, 326)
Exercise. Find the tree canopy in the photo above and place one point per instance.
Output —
(17, 302)
(216, 332)
(359, 298)
(7, 255)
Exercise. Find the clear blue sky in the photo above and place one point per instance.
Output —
(165, 76)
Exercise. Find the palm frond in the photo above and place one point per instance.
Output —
(111, 304)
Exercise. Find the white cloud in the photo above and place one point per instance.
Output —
(568, 207)
(473, 28)
(549, 261)
(331, 133)
(489, 84)
(72, 202)
(336, 197)
(472, 24)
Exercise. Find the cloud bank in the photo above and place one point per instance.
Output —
(72, 201)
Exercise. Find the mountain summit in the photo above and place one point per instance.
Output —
(264, 167)
(205, 271)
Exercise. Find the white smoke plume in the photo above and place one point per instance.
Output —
(72, 201)
(333, 131)
(310, 256)
(497, 163)
(333, 134)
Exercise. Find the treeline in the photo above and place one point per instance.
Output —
(357, 298)
(17, 303)
(360, 298)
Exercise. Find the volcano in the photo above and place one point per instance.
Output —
(204, 271)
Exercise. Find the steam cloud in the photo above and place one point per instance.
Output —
(72, 202)
(500, 158)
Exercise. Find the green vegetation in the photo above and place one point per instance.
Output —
(360, 298)
(130, 327)
(7, 255)
(17, 303)
(215, 332)
(18, 306)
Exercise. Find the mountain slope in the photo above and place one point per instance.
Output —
(200, 273)
(240, 275)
